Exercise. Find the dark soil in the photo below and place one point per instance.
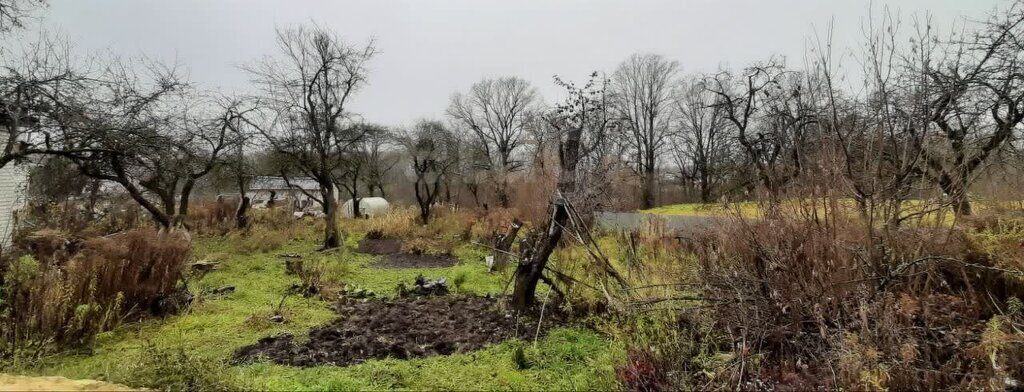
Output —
(401, 328)
(412, 260)
(382, 246)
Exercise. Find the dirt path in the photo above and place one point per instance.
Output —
(25, 383)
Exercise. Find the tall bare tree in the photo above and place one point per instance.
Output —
(498, 112)
(700, 139)
(305, 118)
(643, 96)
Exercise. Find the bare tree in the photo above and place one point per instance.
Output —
(155, 141)
(768, 110)
(306, 92)
(580, 124)
(643, 95)
(433, 153)
(37, 84)
(379, 160)
(979, 103)
(701, 140)
(237, 164)
(472, 165)
(497, 111)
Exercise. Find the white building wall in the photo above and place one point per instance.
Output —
(13, 183)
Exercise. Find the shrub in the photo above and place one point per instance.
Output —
(67, 300)
(178, 369)
(822, 301)
(322, 276)
(666, 349)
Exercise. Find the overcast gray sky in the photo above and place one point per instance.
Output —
(430, 49)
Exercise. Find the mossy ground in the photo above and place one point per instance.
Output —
(141, 354)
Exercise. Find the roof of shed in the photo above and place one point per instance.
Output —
(278, 183)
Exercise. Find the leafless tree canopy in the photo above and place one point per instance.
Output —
(643, 96)
(701, 143)
(434, 153)
(498, 112)
(304, 114)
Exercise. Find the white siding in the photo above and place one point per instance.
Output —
(13, 180)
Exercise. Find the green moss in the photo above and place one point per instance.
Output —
(203, 339)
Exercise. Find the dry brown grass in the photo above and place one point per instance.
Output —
(68, 296)
(212, 217)
(813, 303)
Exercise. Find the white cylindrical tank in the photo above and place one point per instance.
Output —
(368, 207)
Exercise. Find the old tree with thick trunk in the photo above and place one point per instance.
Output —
(580, 125)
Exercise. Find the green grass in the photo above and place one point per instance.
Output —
(746, 209)
(750, 209)
(569, 358)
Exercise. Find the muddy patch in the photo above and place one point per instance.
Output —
(412, 260)
(379, 246)
(400, 328)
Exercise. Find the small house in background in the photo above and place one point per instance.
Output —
(293, 193)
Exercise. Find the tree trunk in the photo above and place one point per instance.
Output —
(475, 191)
(503, 196)
(332, 238)
(242, 214)
(183, 203)
(705, 189)
(244, 204)
(648, 189)
(957, 193)
(423, 199)
(503, 245)
(534, 254)
(532, 262)
(94, 191)
(356, 212)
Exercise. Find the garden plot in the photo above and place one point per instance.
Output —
(400, 328)
(392, 255)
